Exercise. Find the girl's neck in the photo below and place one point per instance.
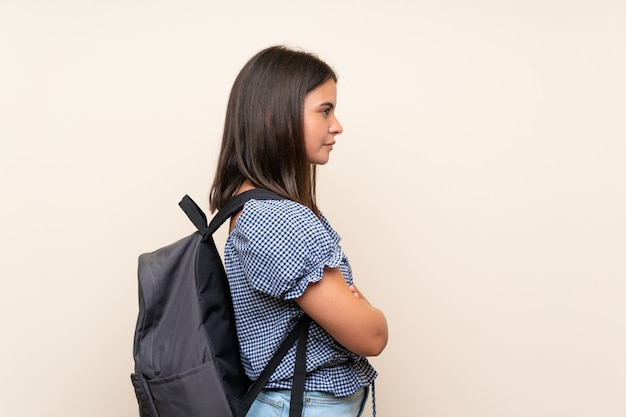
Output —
(245, 186)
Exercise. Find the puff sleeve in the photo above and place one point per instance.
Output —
(283, 246)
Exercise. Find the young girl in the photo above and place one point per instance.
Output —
(282, 257)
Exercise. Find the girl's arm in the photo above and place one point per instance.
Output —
(345, 314)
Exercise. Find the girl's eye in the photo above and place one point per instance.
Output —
(326, 112)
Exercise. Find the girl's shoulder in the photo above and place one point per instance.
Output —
(287, 210)
(282, 216)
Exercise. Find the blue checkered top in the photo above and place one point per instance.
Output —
(275, 250)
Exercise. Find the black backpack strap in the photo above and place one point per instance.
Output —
(299, 333)
(299, 375)
(236, 204)
(198, 218)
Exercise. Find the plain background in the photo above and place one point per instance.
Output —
(479, 187)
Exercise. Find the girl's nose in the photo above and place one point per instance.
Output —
(336, 127)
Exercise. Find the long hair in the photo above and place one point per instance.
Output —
(263, 139)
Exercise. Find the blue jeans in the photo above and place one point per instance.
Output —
(275, 403)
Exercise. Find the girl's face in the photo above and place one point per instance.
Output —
(320, 123)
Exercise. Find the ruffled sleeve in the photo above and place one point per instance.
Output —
(283, 247)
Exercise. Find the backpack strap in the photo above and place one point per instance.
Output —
(236, 204)
(299, 374)
(300, 333)
(198, 218)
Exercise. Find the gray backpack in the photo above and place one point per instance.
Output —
(185, 348)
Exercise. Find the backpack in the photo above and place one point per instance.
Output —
(185, 348)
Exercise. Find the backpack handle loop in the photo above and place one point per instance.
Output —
(195, 214)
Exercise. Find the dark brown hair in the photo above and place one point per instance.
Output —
(263, 139)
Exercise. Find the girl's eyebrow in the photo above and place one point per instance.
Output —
(327, 104)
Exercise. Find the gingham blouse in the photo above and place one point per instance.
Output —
(275, 250)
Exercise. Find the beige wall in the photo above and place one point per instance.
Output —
(479, 187)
